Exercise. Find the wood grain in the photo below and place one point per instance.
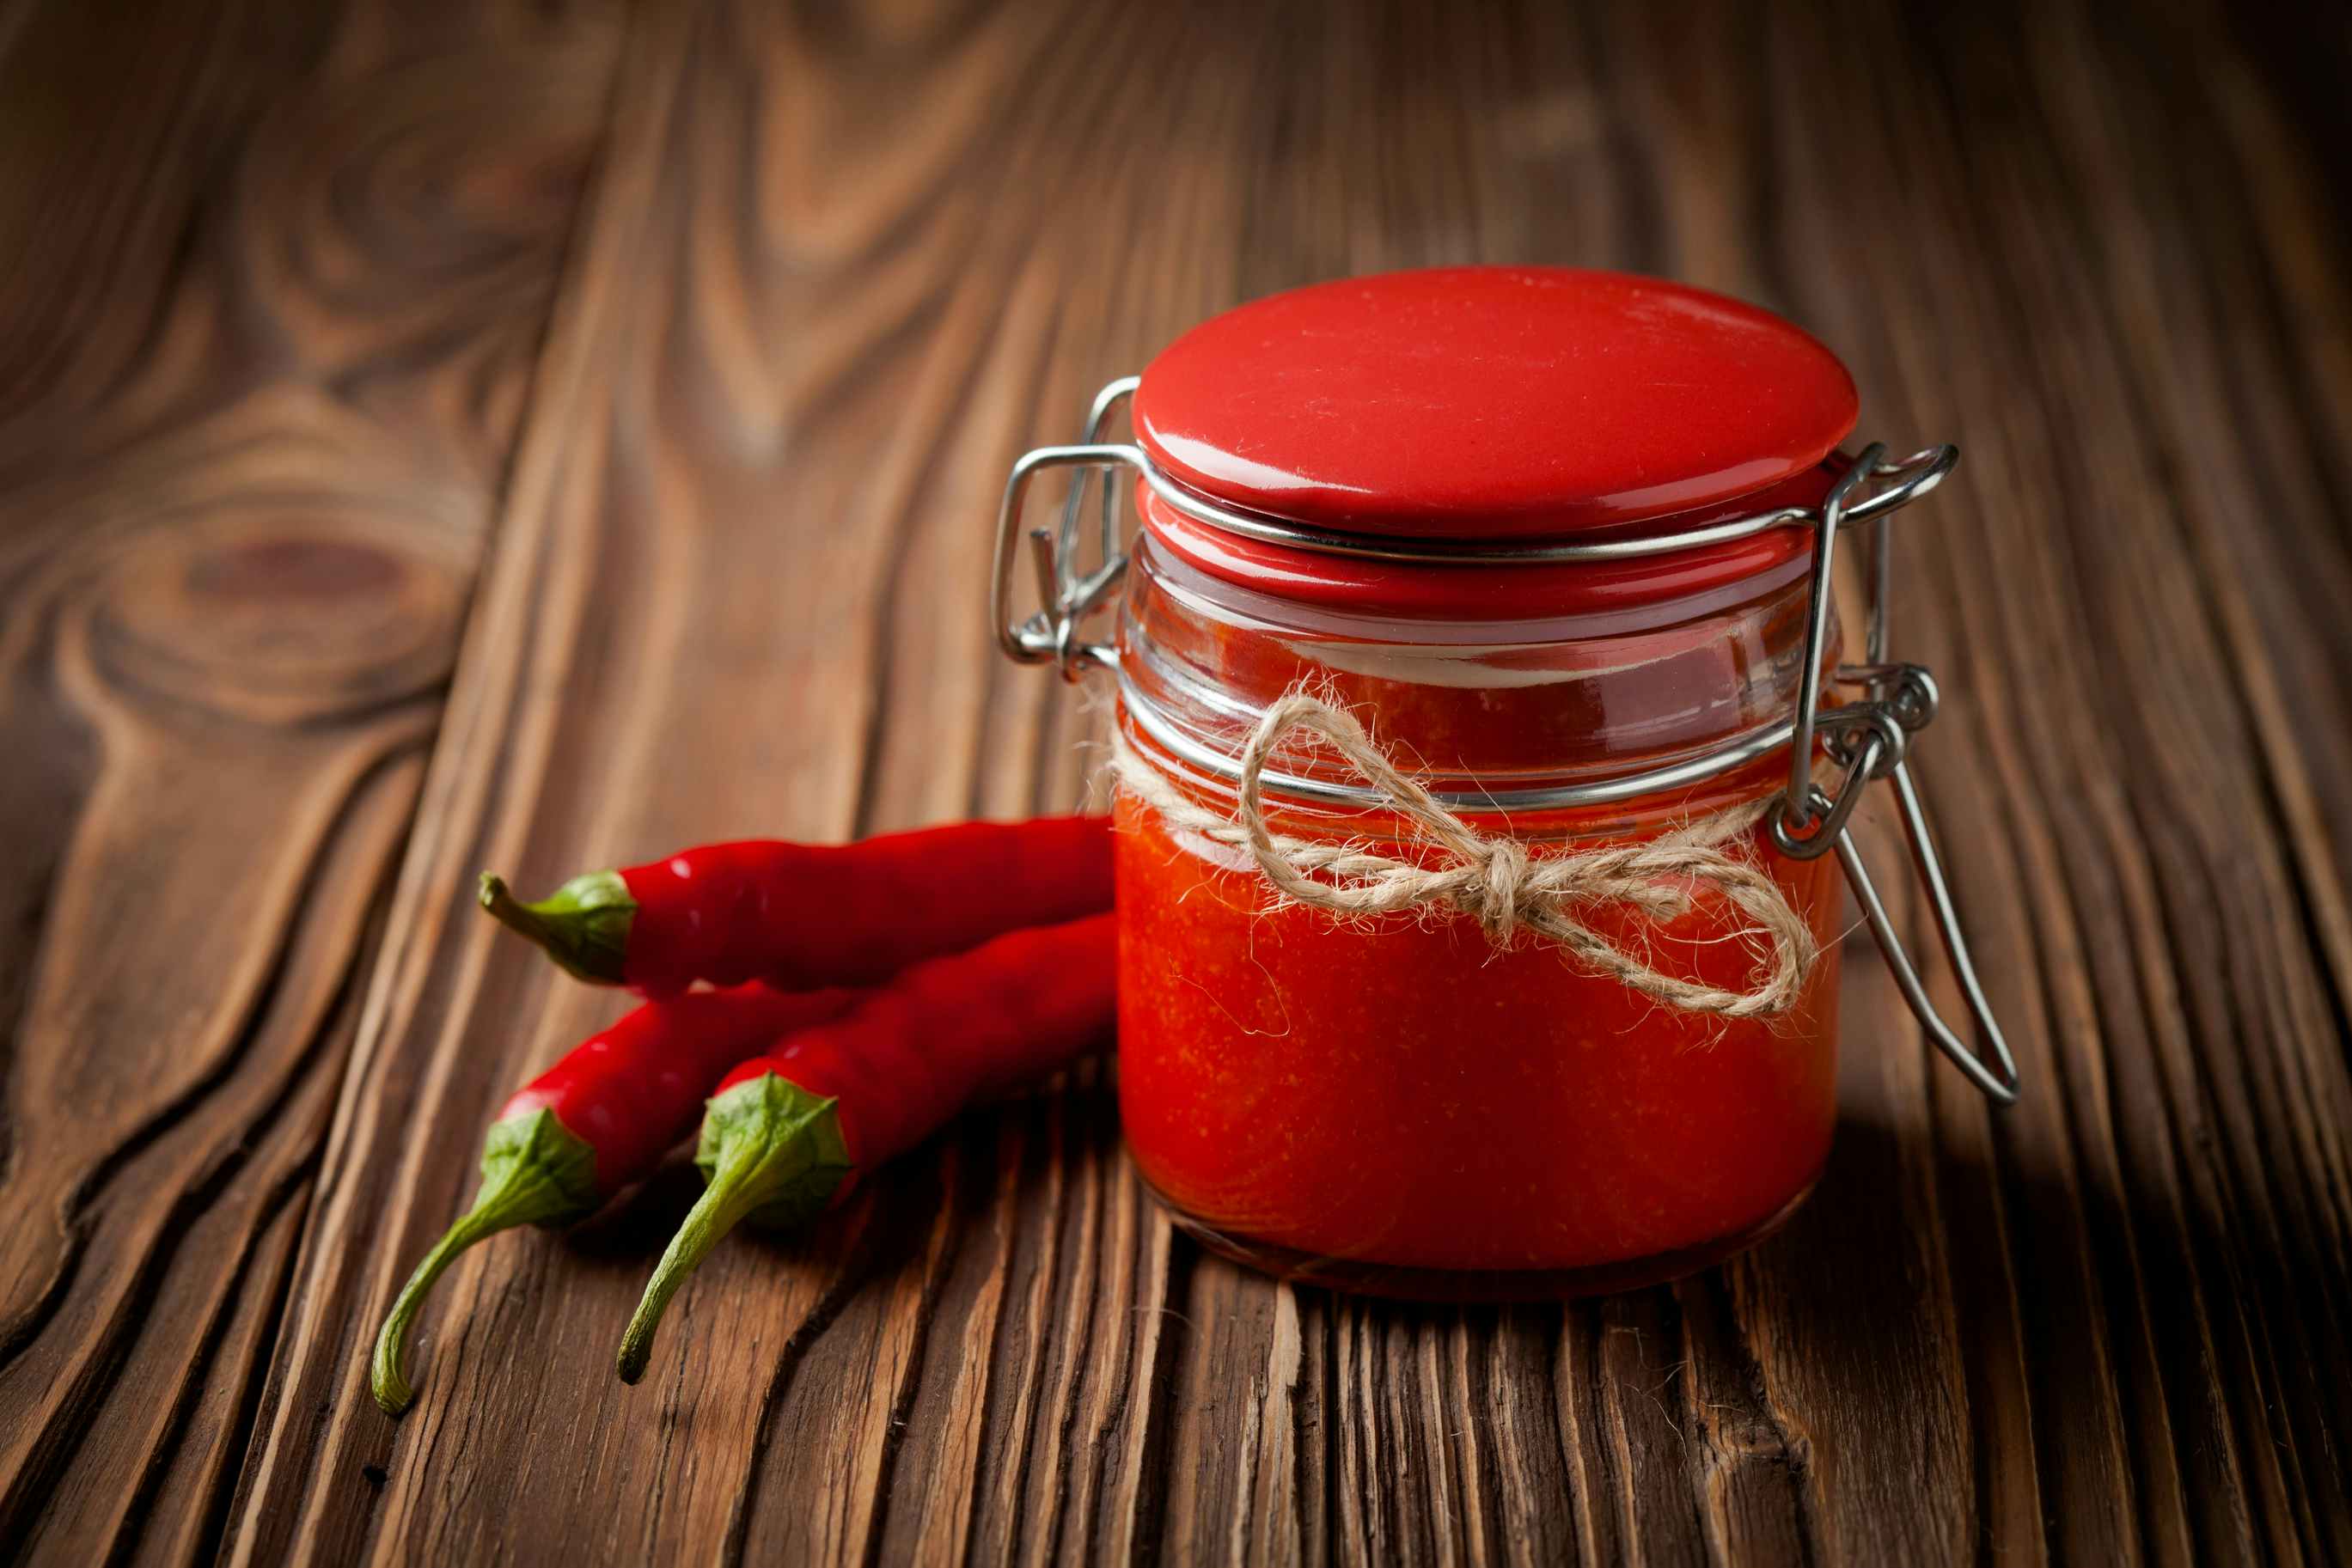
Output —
(257, 402)
(431, 440)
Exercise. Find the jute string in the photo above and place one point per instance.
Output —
(1496, 881)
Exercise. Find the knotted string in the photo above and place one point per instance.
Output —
(1496, 881)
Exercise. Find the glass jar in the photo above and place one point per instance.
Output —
(1572, 648)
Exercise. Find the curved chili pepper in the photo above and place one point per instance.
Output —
(815, 914)
(787, 1132)
(596, 1120)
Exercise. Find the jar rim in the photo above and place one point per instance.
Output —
(1676, 695)
(1459, 583)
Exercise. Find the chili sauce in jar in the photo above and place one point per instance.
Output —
(1557, 543)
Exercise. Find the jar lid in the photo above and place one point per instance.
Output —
(1490, 403)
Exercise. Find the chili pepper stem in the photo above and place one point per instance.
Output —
(583, 925)
(769, 1148)
(535, 1171)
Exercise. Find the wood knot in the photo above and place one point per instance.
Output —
(281, 616)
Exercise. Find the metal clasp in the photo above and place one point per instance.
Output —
(1871, 738)
(1066, 596)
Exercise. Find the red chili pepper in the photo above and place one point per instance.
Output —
(815, 914)
(596, 1120)
(787, 1131)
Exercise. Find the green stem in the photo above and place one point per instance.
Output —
(583, 925)
(535, 1171)
(770, 1150)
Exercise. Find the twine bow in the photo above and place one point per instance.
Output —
(1496, 881)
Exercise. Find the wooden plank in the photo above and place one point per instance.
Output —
(836, 269)
(2098, 1163)
(1968, 1344)
(268, 323)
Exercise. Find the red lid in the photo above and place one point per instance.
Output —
(1486, 402)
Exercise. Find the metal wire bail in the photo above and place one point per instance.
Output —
(1810, 822)
(1066, 596)
(1869, 738)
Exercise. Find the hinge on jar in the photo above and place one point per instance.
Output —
(1868, 738)
(1066, 596)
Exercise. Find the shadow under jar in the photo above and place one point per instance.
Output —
(1560, 542)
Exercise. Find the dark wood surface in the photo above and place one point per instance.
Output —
(534, 436)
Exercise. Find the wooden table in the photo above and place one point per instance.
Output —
(534, 436)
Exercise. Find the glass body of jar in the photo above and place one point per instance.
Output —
(1395, 1105)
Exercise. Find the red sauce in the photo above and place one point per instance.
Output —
(1400, 1096)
